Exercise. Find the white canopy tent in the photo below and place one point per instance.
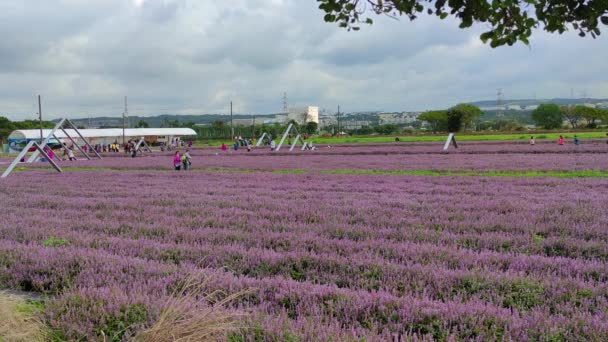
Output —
(104, 133)
(19, 138)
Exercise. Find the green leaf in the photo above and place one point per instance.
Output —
(443, 15)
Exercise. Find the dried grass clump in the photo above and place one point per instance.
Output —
(19, 320)
(192, 314)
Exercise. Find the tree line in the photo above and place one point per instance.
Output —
(459, 117)
(551, 116)
(7, 126)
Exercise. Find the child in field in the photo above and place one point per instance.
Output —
(224, 148)
(576, 141)
(177, 161)
(560, 141)
(532, 142)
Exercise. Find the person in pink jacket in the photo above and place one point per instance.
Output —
(177, 161)
(560, 141)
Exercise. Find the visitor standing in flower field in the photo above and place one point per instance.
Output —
(186, 160)
(71, 156)
(272, 145)
(560, 141)
(532, 142)
(576, 140)
(177, 161)
(224, 148)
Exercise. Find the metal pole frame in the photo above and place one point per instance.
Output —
(34, 155)
(75, 144)
(63, 146)
(451, 139)
(141, 142)
(284, 137)
(22, 154)
(296, 141)
(260, 140)
(83, 139)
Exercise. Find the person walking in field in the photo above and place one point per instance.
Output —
(532, 142)
(224, 148)
(576, 141)
(71, 156)
(560, 141)
(186, 160)
(177, 161)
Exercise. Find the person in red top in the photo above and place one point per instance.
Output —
(560, 141)
(177, 161)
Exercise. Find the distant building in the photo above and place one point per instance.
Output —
(354, 124)
(243, 122)
(325, 121)
(303, 115)
(397, 118)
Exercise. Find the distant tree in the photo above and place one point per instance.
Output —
(548, 116)
(170, 123)
(311, 127)
(455, 119)
(6, 127)
(508, 21)
(468, 113)
(590, 114)
(387, 129)
(437, 120)
(364, 130)
(573, 116)
(142, 124)
(217, 123)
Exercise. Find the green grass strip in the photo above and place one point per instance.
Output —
(431, 173)
(441, 137)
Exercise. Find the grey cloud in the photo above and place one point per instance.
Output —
(183, 56)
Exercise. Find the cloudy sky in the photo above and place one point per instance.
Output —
(195, 56)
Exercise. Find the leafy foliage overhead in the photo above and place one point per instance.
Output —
(509, 20)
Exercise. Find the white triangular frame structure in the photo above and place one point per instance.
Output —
(40, 147)
(451, 139)
(284, 137)
(22, 154)
(142, 142)
(264, 135)
(60, 126)
(295, 142)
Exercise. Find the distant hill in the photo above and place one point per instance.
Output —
(160, 120)
(515, 109)
(535, 102)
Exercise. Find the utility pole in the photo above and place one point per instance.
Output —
(231, 125)
(338, 119)
(253, 128)
(124, 114)
(40, 118)
(285, 110)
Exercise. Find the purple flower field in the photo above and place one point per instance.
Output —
(494, 156)
(324, 257)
